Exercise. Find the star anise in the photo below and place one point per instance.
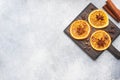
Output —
(99, 17)
(93, 38)
(106, 37)
(80, 30)
(101, 42)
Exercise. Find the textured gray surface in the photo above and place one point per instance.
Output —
(34, 47)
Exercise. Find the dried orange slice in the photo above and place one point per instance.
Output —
(100, 40)
(98, 19)
(80, 29)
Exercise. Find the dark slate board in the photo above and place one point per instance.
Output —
(84, 44)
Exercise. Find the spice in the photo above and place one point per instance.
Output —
(113, 8)
(93, 39)
(83, 17)
(112, 36)
(110, 12)
(84, 47)
(106, 37)
(101, 42)
(111, 31)
(87, 39)
(92, 8)
(112, 27)
(80, 30)
(86, 43)
(88, 48)
(99, 17)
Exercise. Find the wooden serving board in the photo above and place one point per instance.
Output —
(112, 29)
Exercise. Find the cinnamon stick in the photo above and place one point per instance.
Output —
(112, 4)
(113, 8)
(108, 11)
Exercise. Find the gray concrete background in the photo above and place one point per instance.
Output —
(34, 47)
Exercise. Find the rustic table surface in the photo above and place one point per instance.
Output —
(33, 45)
